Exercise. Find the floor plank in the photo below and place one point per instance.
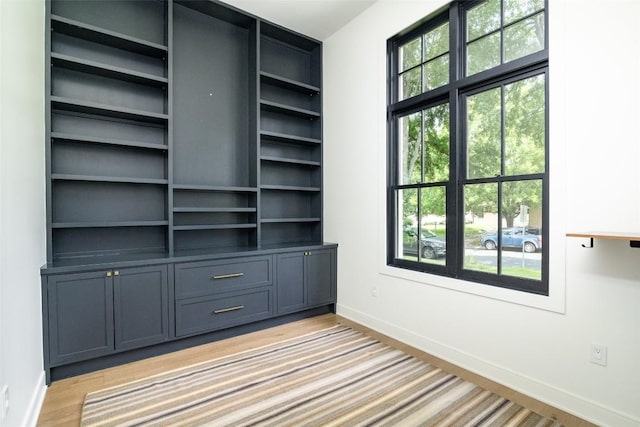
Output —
(63, 402)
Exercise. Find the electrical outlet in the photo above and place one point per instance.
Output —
(374, 292)
(599, 354)
(4, 401)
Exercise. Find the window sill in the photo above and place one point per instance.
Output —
(555, 302)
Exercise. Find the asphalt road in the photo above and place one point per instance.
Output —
(510, 258)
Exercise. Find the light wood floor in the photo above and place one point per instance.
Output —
(63, 402)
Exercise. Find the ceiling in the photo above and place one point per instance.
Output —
(315, 18)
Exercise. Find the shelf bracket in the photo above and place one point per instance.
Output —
(634, 243)
(590, 244)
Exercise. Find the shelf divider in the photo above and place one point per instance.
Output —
(109, 224)
(212, 227)
(289, 83)
(58, 102)
(289, 160)
(288, 138)
(289, 188)
(287, 109)
(61, 136)
(230, 189)
(107, 37)
(116, 179)
(213, 210)
(87, 66)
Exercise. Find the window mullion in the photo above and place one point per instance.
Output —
(501, 32)
(452, 189)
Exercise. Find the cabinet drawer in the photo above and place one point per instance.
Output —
(209, 277)
(206, 314)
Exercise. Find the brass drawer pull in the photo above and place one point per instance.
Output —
(224, 310)
(228, 276)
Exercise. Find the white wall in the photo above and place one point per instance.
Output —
(22, 206)
(538, 345)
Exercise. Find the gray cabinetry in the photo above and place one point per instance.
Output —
(320, 274)
(141, 306)
(290, 282)
(216, 294)
(305, 279)
(182, 136)
(221, 311)
(91, 314)
(80, 308)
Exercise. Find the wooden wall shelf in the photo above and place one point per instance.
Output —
(632, 237)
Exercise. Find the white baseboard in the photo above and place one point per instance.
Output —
(561, 399)
(35, 404)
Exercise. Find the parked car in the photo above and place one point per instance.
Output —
(431, 246)
(527, 238)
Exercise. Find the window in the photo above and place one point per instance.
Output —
(467, 131)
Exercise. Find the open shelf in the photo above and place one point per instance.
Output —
(103, 36)
(79, 244)
(215, 188)
(108, 224)
(62, 103)
(213, 227)
(285, 220)
(91, 178)
(61, 136)
(289, 160)
(213, 210)
(289, 84)
(288, 138)
(632, 237)
(93, 67)
(180, 172)
(287, 109)
(289, 188)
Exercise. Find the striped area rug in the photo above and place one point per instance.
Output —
(334, 377)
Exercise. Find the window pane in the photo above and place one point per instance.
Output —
(522, 237)
(484, 134)
(436, 73)
(433, 225)
(436, 144)
(481, 224)
(410, 149)
(524, 38)
(436, 42)
(410, 83)
(483, 19)
(483, 54)
(516, 9)
(410, 54)
(408, 213)
(524, 124)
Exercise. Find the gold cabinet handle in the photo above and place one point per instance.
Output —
(108, 274)
(225, 310)
(116, 273)
(228, 276)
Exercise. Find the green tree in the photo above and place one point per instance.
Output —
(524, 139)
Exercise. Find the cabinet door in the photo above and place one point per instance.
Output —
(141, 306)
(290, 282)
(319, 277)
(80, 316)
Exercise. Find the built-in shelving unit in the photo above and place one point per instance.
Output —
(184, 163)
(290, 137)
(108, 129)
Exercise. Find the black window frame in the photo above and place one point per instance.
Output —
(454, 93)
